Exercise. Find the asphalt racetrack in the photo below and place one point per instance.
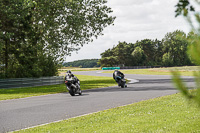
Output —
(27, 112)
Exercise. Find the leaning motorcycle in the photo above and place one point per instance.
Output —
(72, 86)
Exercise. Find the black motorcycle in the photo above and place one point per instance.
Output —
(72, 86)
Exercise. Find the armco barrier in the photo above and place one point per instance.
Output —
(30, 82)
(130, 67)
(139, 67)
(110, 68)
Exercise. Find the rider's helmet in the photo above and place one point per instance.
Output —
(69, 72)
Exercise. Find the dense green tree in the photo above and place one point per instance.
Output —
(33, 30)
(158, 45)
(107, 53)
(166, 60)
(107, 58)
(109, 61)
(175, 45)
(147, 46)
(122, 52)
(152, 50)
(119, 55)
(138, 56)
(1, 61)
(171, 51)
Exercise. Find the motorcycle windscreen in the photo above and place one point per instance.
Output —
(68, 77)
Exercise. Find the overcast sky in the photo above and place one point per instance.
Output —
(136, 20)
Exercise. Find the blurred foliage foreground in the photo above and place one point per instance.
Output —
(186, 8)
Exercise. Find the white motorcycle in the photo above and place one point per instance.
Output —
(73, 86)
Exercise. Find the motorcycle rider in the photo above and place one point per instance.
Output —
(117, 76)
(70, 75)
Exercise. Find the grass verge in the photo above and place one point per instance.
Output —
(164, 114)
(87, 82)
(184, 71)
(64, 69)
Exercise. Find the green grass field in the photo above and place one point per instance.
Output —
(168, 114)
(87, 82)
(184, 71)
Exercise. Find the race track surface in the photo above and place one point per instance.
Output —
(22, 113)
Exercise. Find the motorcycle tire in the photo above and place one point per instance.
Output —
(71, 92)
(80, 93)
(122, 85)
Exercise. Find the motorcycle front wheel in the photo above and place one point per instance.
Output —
(122, 85)
(71, 92)
(80, 92)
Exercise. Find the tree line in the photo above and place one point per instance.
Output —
(35, 35)
(86, 63)
(170, 51)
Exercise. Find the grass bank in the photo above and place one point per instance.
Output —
(87, 82)
(184, 71)
(165, 114)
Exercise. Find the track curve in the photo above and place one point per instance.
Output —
(22, 113)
